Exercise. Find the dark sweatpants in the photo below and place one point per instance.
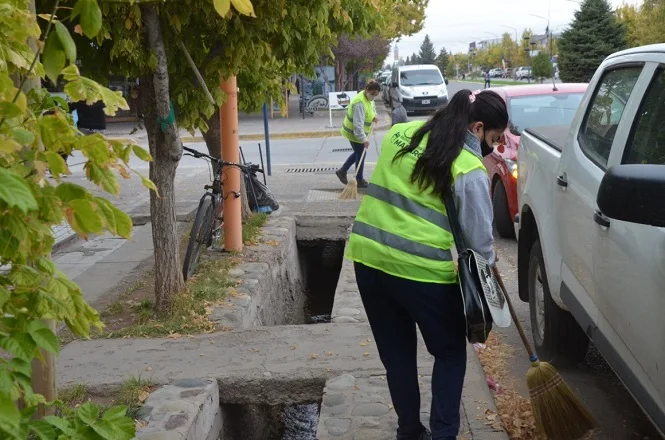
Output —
(394, 306)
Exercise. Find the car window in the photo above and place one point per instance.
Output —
(605, 111)
(420, 78)
(543, 110)
(646, 144)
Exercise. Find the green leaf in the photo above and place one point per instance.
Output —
(141, 153)
(15, 192)
(4, 296)
(88, 413)
(9, 110)
(21, 366)
(62, 424)
(222, 6)
(43, 430)
(70, 191)
(115, 413)
(9, 416)
(23, 136)
(44, 337)
(91, 17)
(66, 41)
(18, 344)
(86, 216)
(102, 176)
(53, 57)
(56, 163)
(106, 429)
(123, 223)
(106, 211)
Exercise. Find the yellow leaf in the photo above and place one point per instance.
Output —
(174, 336)
(365, 354)
(363, 344)
(314, 356)
(222, 6)
(143, 395)
(244, 7)
(9, 146)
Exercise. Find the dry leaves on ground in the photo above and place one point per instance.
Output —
(514, 410)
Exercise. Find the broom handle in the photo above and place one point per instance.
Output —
(520, 330)
(362, 157)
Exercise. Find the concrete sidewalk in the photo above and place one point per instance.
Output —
(251, 125)
(359, 411)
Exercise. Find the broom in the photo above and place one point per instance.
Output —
(351, 189)
(559, 414)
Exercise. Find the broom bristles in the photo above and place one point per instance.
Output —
(350, 190)
(558, 412)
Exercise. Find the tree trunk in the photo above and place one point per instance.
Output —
(213, 140)
(166, 150)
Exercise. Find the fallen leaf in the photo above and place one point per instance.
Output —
(390, 406)
(148, 369)
(294, 346)
(491, 417)
(143, 395)
(363, 344)
(329, 353)
(272, 243)
(202, 354)
(174, 336)
(365, 354)
(314, 356)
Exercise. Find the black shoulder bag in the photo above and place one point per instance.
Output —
(476, 310)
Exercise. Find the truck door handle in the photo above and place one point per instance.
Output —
(600, 218)
(561, 181)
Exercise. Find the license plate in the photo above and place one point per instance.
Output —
(425, 101)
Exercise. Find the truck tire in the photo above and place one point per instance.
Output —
(502, 221)
(558, 338)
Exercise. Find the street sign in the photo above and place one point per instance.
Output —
(340, 100)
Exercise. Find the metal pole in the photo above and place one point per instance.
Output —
(266, 130)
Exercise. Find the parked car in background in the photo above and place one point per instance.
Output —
(537, 105)
(385, 89)
(496, 73)
(523, 73)
(591, 227)
(418, 88)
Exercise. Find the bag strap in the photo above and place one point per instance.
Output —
(453, 220)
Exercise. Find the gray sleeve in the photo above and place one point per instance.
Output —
(359, 121)
(474, 208)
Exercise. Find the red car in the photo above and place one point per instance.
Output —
(529, 106)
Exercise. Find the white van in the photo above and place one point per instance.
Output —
(417, 88)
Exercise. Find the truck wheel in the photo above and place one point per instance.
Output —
(558, 338)
(502, 220)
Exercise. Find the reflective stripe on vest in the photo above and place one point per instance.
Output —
(401, 229)
(347, 122)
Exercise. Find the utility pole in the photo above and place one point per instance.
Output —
(231, 153)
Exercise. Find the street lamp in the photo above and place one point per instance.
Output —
(548, 33)
(510, 27)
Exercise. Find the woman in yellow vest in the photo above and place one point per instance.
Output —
(401, 247)
(356, 127)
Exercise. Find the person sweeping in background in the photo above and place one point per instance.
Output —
(401, 247)
(356, 127)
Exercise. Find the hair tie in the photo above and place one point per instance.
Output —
(472, 98)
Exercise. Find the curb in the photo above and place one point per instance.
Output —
(258, 137)
(477, 399)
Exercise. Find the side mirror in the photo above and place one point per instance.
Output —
(634, 193)
(394, 84)
(445, 80)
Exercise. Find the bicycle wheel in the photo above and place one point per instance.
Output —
(199, 237)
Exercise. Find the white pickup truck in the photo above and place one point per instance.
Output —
(591, 227)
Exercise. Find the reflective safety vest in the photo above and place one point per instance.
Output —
(370, 113)
(401, 229)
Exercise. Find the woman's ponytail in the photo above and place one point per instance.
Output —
(447, 132)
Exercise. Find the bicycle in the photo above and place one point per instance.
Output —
(209, 219)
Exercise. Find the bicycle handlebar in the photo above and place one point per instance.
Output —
(199, 155)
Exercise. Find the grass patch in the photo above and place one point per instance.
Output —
(251, 228)
(190, 310)
(73, 395)
(115, 308)
(132, 393)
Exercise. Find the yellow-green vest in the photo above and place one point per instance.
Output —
(401, 229)
(370, 113)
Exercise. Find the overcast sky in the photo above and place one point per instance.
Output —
(454, 24)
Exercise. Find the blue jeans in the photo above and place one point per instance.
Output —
(394, 307)
(354, 158)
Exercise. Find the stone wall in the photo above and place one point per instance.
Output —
(270, 287)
